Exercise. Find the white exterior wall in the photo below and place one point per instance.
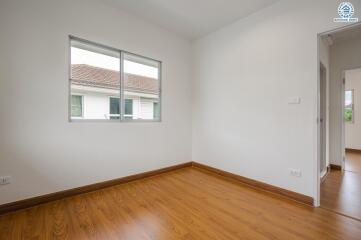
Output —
(136, 106)
(244, 75)
(97, 105)
(353, 130)
(39, 147)
(146, 106)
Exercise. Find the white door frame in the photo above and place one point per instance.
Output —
(323, 119)
(343, 131)
(318, 140)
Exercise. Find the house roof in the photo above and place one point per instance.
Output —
(86, 75)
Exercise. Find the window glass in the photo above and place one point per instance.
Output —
(109, 84)
(128, 109)
(142, 84)
(114, 109)
(95, 74)
(156, 111)
(349, 105)
(76, 106)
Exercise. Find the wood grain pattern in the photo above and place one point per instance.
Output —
(13, 206)
(257, 184)
(353, 161)
(341, 191)
(186, 204)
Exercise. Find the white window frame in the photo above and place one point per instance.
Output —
(121, 89)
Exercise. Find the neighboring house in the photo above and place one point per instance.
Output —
(95, 94)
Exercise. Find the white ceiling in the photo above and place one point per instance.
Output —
(191, 18)
(349, 33)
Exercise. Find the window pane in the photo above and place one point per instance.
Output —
(141, 84)
(114, 108)
(95, 74)
(156, 108)
(128, 110)
(95, 80)
(349, 112)
(76, 106)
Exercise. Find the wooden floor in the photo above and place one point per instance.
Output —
(353, 161)
(341, 190)
(186, 204)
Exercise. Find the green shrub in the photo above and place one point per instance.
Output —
(348, 115)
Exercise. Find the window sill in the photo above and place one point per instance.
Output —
(115, 121)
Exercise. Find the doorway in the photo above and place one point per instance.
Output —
(339, 140)
(352, 126)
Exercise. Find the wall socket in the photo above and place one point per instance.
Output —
(296, 172)
(5, 180)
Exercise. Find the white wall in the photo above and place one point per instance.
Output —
(39, 148)
(244, 76)
(353, 130)
(343, 55)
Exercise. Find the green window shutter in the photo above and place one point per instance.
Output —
(128, 108)
(114, 106)
(156, 110)
(76, 106)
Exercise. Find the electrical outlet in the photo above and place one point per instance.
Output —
(296, 172)
(5, 180)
